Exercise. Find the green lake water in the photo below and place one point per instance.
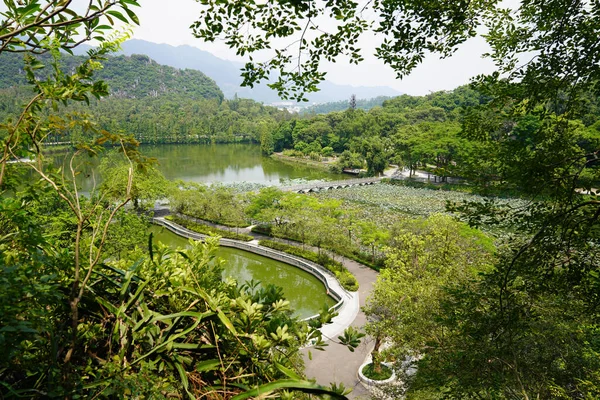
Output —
(218, 163)
(306, 294)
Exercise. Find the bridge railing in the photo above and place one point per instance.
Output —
(318, 185)
(334, 289)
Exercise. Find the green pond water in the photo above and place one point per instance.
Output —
(218, 163)
(306, 294)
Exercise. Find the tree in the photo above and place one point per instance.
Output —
(423, 257)
(542, 291)
(352, 102)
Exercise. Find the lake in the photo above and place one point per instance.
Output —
(218, 163)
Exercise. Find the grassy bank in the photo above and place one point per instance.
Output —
(208, 230)
(306, 161)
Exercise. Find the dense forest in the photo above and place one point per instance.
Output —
(133, 77)
(152, 102)
(427, 132)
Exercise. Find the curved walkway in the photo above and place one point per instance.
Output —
(347, 305)
(337, 363)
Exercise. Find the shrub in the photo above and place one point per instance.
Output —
(369, 372)
(327, 151)
(293, 153)
(208, 230)
(347, 280)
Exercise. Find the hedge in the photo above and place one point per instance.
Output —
(208, 230)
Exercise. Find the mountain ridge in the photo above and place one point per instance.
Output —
(226, 74)
(134, 76)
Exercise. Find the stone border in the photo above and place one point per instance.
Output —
(347, 305)
(372, 382)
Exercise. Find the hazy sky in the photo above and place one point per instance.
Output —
(170, 24)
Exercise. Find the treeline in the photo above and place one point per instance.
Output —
(165, 119)
(364, 104)
(153, 103)
(433, 132)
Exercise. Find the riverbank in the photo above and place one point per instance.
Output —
(328, 163)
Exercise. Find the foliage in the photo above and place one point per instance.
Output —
(424, 256)
(386, 204)
(76, 324)
(346, 279)
(325, 108)
(208, 230)
(408, 30)
(155, 103)
(131, 77)
(147, 184)
(29, 26)
(413, 131)
(527, 327)
(371, 372)
(214, 203)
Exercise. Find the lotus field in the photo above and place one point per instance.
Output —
(384, 204)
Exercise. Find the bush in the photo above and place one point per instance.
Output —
(293, 153)
(262, 229)
(220, 222)
(327, 151)
(208, 230)
(369, 372)
(346, 279)
(335, 169)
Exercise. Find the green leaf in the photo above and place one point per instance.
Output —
(207, 365)
(117, 15)
(293, 384)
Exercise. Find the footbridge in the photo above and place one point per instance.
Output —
(319, 186)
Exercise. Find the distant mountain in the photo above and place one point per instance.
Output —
(136, 76)
(227, 74)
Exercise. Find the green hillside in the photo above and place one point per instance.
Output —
(135, 76)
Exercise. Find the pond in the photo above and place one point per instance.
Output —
(218, 163)
(306, 294)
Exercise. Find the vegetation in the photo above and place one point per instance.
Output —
(346, 279)
(527, 327)
(154, 103)
(134, 77)
(423, 257)
(377, 374)
(84, 313)
(214, 203)
(326, 108)
(208, 230)
(82, 317)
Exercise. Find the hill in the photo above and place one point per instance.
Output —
(227, 74)
(135, 76)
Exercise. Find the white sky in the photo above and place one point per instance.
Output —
(170, 24)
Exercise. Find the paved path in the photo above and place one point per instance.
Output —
(337, 363)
